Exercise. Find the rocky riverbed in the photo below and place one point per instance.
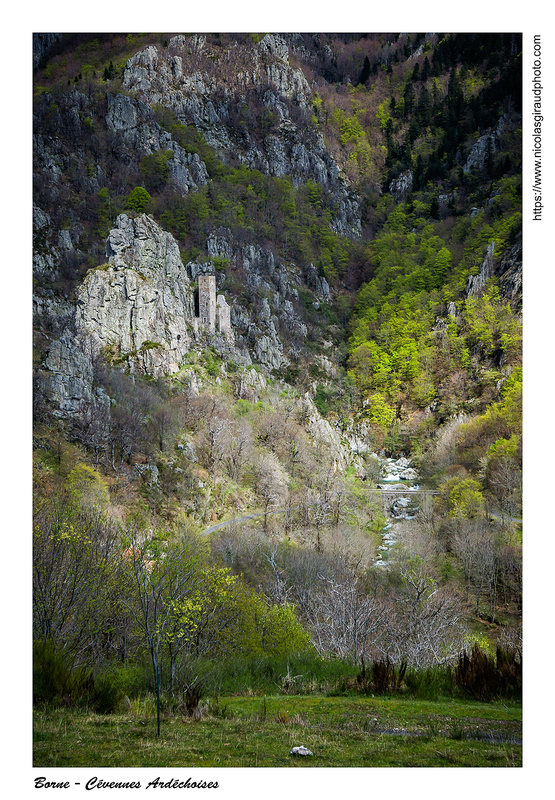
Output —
(400, 504)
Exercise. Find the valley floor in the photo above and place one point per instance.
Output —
(261, 731)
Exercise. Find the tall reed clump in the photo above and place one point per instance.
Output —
(294, 673)
(382, 677)
(55, 679)
(486, 678)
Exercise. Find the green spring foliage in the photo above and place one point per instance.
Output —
(415, 339)
(396, 345)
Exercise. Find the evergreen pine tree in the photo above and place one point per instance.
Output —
(418, 177)
(488, 159)
(408, 97)
(424, 107)
(455, 96)
(365, 74)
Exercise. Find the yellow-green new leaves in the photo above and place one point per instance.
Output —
(502, 420)
(185, 616)
(278, 628)
(218, 615)
(463, 498)
(212, 590)
(232, 618)
(86, 489)
(71, 569)
(379, 412)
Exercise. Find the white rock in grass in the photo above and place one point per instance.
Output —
(301, 751)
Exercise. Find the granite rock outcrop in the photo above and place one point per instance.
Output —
(134, 120)
(139, 306)
(216, 90)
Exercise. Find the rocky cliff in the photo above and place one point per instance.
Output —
(134, 121)
(219, 91)
(247, 150)
(137, 309)
(136, 306)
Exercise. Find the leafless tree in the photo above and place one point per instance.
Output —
(238, 448)
(504, 479)
(278, 590)
(72, 567)
(212, 422)
(477, 545)
(271, 483)
(345, 620)
(425, 623)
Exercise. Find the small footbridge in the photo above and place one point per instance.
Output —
(401, 495)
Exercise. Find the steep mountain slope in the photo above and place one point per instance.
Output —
(279, 274)
(357, 198)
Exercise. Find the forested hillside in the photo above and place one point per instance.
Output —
(358, 199)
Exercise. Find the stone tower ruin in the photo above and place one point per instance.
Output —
(207, 301)
(212, 312)
(223, 315)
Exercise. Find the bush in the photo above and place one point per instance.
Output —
(106, 695)
(138, 200)
(270, 674)
(192, 696)
(430, 683)
(383, 677)
(114, 684)
(55, 680)
(486, 678)
(321, 400)
(131, 679)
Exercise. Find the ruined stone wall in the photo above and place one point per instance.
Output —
(207, 301)
(223, 314)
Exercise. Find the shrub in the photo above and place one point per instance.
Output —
(155, 170)
(430, 683)
(131, 679)
(192, 695)
(106, 695)
(55, 679)
(383, 677)
(114, 684)
(138, 200)
(485, 678)
(50, 672)
(321, 400)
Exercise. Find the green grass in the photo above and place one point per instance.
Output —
(260, 732)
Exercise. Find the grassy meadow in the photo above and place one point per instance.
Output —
(242, 731)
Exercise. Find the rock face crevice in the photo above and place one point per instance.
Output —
(42, 43)
(134, 120)
(508, 270)
(476, 284)
(66, 381)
